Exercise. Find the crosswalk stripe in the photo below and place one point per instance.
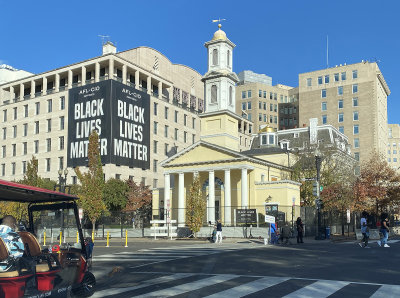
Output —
(387, 291)
(159, 280)
(131, 260)
(320, 289)
(181, 289)
(249, 288)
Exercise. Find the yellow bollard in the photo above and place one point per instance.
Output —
(126, 238)
(60, 237)
(92, 236)
(108, 239)
(77, 237)
(44, 238)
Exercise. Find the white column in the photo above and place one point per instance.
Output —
(167, 198)
(97, 72)
(137, 82)
(44, 85)
(227, 201)
(211, 196)
(170, 91)
(111, 69)
(32, 89)
(149, 85)
(124, 74)
(160, 90)
(83, 75)
(69, 78)
(21, 91)
(181, 200)
(245, 200)
(57, 84)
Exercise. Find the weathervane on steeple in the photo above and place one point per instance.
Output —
(219, 22)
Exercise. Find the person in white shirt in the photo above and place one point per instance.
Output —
(364, 230)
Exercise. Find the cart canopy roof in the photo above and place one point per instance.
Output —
(15, 192)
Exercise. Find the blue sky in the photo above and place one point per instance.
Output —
(278, 38)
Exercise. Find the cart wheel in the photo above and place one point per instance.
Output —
(87, 287)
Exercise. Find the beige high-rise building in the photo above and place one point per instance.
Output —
(261, 104)
(34, 112)
(393, 149)
(352, 98)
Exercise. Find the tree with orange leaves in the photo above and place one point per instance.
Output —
(139, 200)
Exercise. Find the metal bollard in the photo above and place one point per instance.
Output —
(44, 238)
(77, 237)
(126, 238)
(92, 236)
(108, 239)
(60, 237)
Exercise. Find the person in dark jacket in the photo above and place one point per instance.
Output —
(300, 230)
(285, 234)
(219, 232)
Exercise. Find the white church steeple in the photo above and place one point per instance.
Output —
(220, 81)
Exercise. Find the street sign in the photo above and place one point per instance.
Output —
(269, 219)
(321, 188)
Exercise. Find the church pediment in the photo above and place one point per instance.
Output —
(220, 73)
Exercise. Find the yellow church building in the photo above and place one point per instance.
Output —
(231, 179)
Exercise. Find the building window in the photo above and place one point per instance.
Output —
(249, 117)
(36, 145)
(355, 74)
(395, 159)
(215, 57)
(24, 167)
(62, 122)
(62, 103)
(324, 119)
(230, 95)
(176, 117)
(13, 168)
(14, 131)
(356, 143)
(327, 79)
(155, 128)
(36, 127)
(243, 106)
(184, 136)
(336, 76)
(48, 125)
(355, 116)
(309, 82)
(355, 129)
(323, 106)
(193, 139)
(249, 105)
(323, 93)
(25, 148)
(155, 108)
(355, 88)
(155, 162)
(340, 117)
(4, 115)
(260, 93)
(4, 150)
(166, 131)
(249, 93)
(15, 112)
(319, 80)
(340, 90)
(260, 117)
(61, 163)
(394, 151)
(243, 94)
(25, 130)
(185, 119)
(61, 142)
(166, 110)
(155, 144)
(4, 133)
(176, 134)
(340, 103)
(228, 58)
(214, 91)
(3, 169)
(357, 156)
(389, 159)
(194, 123)
(48, 146)
(48, 162)
(355, 101)
(344, 76)
(264, 94)
(166, 149)
(14, 149)
(49, 106)
(37, 108)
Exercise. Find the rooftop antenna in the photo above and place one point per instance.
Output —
(374, 59)
(104, 39)
(218, 21)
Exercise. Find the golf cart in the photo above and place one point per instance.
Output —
(55, 260)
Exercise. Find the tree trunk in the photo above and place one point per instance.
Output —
(93, 227)
(342, 223)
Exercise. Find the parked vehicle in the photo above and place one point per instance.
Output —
(55, 255)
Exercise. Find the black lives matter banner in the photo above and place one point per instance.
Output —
(121, 116)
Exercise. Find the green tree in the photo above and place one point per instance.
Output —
(195, 207)
(92, 182)
(115, 194)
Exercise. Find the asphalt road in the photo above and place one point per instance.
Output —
(247, 269)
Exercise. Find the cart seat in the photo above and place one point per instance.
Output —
(12, 284)
(45, 274)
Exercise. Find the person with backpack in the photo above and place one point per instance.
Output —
(364, 230)
(384, 230)
(300, 230)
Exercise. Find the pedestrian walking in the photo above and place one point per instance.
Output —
(300, 230)
(285, 234)
(364, 230)
(219, 232)
(274, 233)
(384, 230)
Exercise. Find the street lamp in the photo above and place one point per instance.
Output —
(318, 160)
(62, 181)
